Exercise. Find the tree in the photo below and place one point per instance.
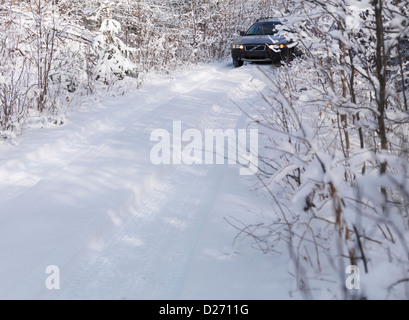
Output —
(113, 63)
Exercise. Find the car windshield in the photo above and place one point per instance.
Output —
(263, 28)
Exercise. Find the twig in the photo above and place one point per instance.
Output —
(361, 249)
(398, 282)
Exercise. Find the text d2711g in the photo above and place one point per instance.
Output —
(225, 309)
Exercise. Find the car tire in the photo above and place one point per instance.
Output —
(277, 63)
(288, 57)
(237, 63)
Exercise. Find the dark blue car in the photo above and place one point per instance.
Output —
(266, 41)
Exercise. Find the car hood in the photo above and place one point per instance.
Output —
(262, 39)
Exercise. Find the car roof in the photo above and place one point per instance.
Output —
(269, 20)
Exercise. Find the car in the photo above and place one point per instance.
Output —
(264, 41)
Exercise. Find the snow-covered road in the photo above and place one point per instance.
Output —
(87, 198)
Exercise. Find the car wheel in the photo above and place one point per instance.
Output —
(277, 63)
(288, 57)
(237, 63)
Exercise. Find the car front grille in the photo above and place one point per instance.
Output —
(256, 47)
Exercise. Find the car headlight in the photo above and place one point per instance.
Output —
(277, 46)
(238, 46)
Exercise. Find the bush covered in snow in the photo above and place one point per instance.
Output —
(336, 162)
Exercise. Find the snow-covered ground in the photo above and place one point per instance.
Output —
(86, 197)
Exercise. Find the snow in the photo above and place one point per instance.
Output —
(110, 26)
(85, 197)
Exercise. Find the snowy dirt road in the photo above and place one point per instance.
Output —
(86, 197)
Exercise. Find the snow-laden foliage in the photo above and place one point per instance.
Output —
(336, 162)
(42, 63)
(113, 61)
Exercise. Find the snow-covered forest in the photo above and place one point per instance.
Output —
(333, 124)
(336, 133)
(54, 51)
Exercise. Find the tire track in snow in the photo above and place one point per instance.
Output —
(18, 175)
(135, 264)
(38, 168)
(139, 247)
(147, 255)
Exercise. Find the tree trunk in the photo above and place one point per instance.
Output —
(381, 91)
